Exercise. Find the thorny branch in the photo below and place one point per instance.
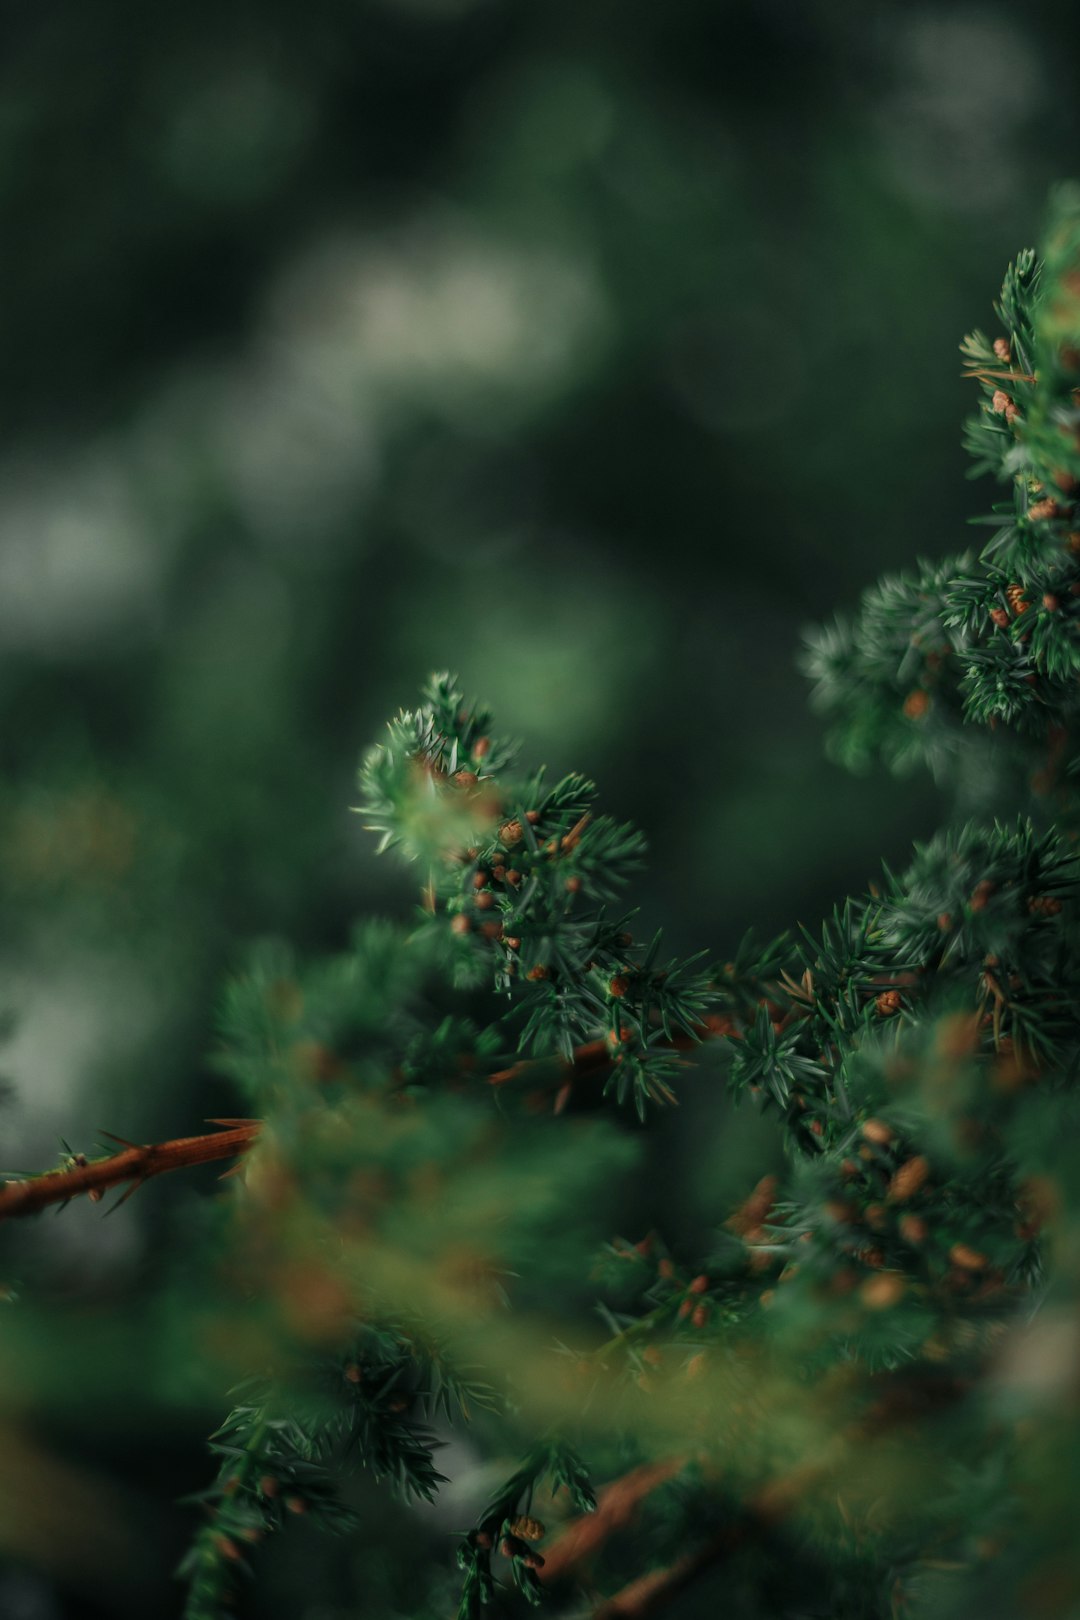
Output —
(136, 1164)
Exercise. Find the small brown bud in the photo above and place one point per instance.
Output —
(513, 877)
(981, 895)
(268, 1485)
(1002, 350)
(875, 1130)
(540, 971)
(512, 944)
(466, 778)
(700, 1315)
(888, 1003)
(498, 872)
(944, 922)
(296, 1504)
(492, 928)
(666, 1268)
(625, 940)
(484, 1539)
(880, 1293)
(967, 1258)
(480, 880)
(1047, 508)
(460, 924)
(1000, 402)
(354, 1373)
(532, 817)
(1014, 595)
(700, 1284)
(875, 1216)
(227, 1548)
(1051, 603)
(481, 748)
(528, 1529)
(618, 986)
(652, 1355)
(573, 885)
(908, 1179)
(916, 704)
(485, 900)
(511, 833)
(1000, 617)
(1012, 412)
(913, 1229)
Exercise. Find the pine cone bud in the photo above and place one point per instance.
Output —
(967, 1258)
(540, 971)
(481, 748)
(618, 986)
(1047, 508)
(480, 880)
(875, 1130)
(916, 704)
(1014, 595)
(1012, 412)
(511, 833)
(880, 1293)
(888, 1003)
(1000, 402)
(913, 1229)
(981, 895)
(460, 924)
(532, 817)
(908, 1179)
(700, 1284)
(1002, 350)
(528, 1529)
(573, 885)
(466, 778)
(1000, 617)
(485, 900)
(513, 877)
(700, 1315)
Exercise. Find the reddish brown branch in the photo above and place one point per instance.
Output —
(134, 1165)
(595, 1057)
(616, 1506)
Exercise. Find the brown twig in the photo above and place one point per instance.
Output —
(134, 1164)
(595, 1057)
(616, 1506)
(903, 1401)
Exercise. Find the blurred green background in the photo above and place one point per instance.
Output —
(590, 351)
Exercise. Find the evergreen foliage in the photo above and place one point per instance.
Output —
(861, 1401)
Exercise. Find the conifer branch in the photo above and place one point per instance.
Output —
(134, 1164)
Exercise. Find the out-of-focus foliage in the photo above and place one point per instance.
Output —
(587, 352)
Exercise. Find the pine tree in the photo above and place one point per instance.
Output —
(862, 1399)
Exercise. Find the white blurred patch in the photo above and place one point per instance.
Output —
(75, 560)
(967, 79)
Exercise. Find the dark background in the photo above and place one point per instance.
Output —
(590, 350)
